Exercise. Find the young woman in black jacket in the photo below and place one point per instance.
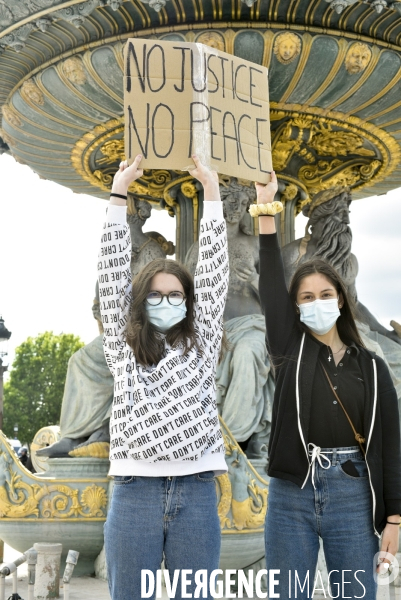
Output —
(334, 403)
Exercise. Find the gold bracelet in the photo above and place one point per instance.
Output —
(270, 208)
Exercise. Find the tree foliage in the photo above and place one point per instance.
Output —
(34, 391)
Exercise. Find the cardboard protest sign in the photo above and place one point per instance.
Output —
(186, 98)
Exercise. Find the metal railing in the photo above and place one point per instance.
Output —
(30, 557)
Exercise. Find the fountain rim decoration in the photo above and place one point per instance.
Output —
(388, 146)
(230, 25)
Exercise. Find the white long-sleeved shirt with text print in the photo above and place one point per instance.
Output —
(164, 419)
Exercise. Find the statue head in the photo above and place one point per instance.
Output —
(74, 70)
(287, 47)
(11, 116)
(357, 58)
(237, 198)
(212, 39)
(31, 91)
(138, 210)
(329, 225)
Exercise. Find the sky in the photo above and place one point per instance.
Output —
(48, 253)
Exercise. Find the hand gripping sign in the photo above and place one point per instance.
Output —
(186, 98)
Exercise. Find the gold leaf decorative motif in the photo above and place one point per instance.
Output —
(248, 512)
(113, 151)
(277, 115)
(367, 171)
(251, 512)
(329, 174)
(87, 147)
(303, 122)
(284, 145)
(226, 497)
(308, 174)
(337, 150)
(105, 180)
(188, 189)
(290, 192)
(287, 46)
(19, 499)
(94, 499)
(339, 143)
(63, 504)
(157, 177)
(357, 58)
(309, 133)
(94, 450)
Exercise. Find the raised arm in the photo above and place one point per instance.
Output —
(114, 270)
(277, 307)
(212, 270)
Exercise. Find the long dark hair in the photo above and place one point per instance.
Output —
(346, 325)
(142, 336)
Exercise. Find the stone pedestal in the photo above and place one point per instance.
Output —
(75, 468)
(47, 571)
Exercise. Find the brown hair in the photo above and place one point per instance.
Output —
(142, 336)
(346, 326)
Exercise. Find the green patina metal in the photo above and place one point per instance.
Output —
(61, 74)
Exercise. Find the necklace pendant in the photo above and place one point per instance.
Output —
(329, 359)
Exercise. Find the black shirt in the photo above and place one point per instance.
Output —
(328, 426)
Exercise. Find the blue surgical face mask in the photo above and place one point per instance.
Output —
(320, 315)
(164, 315)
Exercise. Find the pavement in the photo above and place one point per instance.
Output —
(85, 588)
(81, 588)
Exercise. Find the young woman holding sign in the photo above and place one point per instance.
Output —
(162, 339)
(334, 452)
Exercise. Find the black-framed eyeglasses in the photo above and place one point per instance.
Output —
(173, 298)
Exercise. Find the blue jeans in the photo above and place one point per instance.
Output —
(339, 511)
(152, 518)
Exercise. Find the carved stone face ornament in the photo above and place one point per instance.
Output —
(74, 71)
(287, 47)
(211, 39)
(11, 117)
(357, 58)
(31, 91)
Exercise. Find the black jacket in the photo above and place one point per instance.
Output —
(294, 355)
